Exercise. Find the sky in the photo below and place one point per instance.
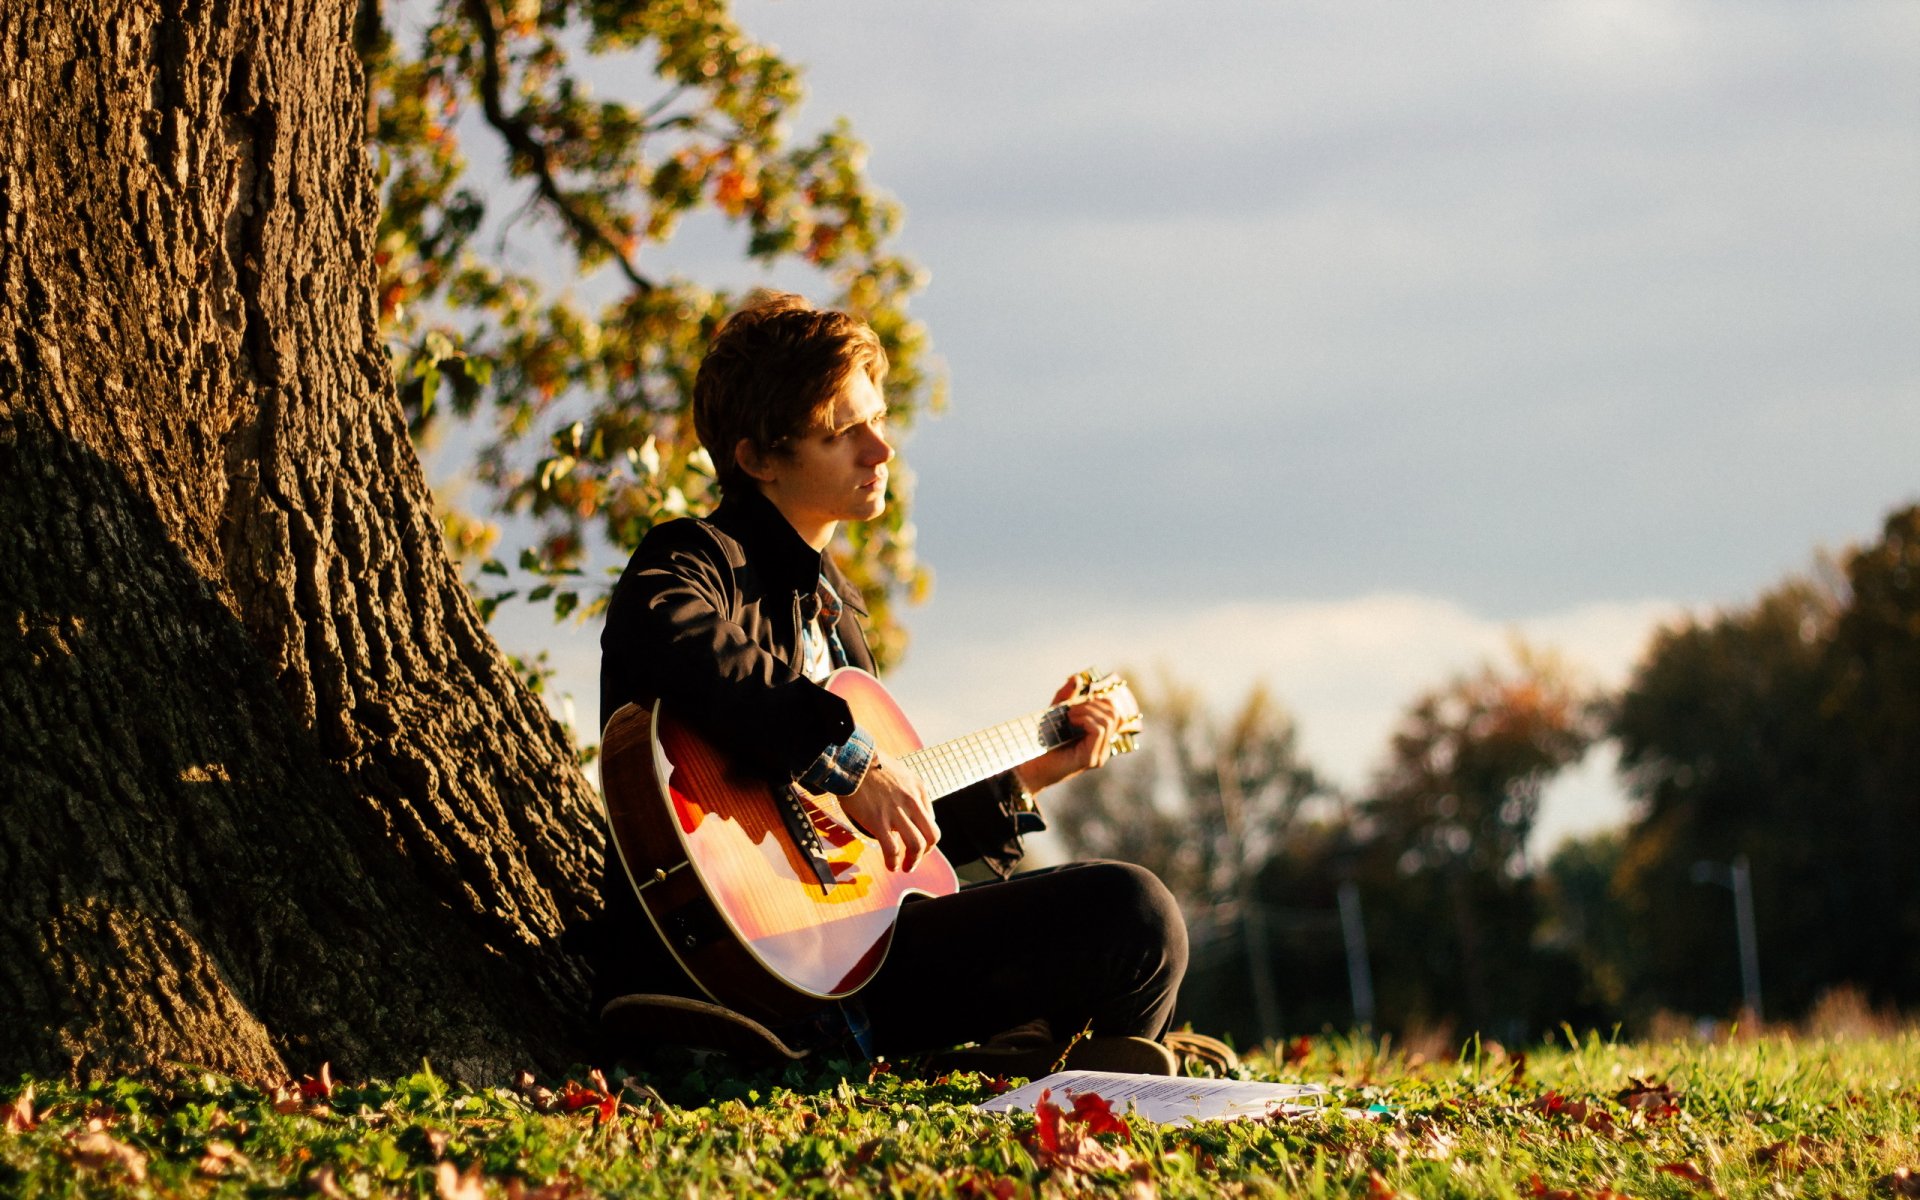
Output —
(1329, 346)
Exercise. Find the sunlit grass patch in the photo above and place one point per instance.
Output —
(1774, 1116)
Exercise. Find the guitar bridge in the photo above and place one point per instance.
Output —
(793, 814)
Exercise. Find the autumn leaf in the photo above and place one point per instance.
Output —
(1379, 1189)
(1688, 1171)
(20, 1118)
(1297, 1051)
(97, 1149)
(575, 1098)
(1064, 1142)
(541, 1097)
(1540, 1191)
(982, 1186)
(1046, 1116)
(1554, 1106)
(564, 1187)
(453, 1184)
(320, 1088)
(1096, 1113)
(219, 1158)
(1653, 1100)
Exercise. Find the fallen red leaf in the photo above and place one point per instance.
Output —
(1046, 1116)
(320, 1088)
(1540, 1191)
(1554, 1106)
(1655, 1100)
(1064, 1141)
(575, 1098)
(1297, 1050)
(1687, 1171)
(1096, 1113)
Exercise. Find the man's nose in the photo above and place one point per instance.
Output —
(879, 450)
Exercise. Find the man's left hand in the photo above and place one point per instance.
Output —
(1098, 722)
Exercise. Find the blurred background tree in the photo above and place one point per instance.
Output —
(1785, 732)
(579, 371)
(1446, 869)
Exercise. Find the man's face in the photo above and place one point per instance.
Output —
(836, 472)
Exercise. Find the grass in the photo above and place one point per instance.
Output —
(1769, 1116)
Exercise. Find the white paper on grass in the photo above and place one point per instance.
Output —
(1166, 1100)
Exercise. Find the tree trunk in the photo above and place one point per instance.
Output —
(270, 795)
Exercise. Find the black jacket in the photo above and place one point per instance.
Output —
(706, 618)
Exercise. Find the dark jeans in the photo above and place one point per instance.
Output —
(1098, 943)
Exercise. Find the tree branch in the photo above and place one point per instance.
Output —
(528, 148)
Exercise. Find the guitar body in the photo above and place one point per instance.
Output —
(747, 909)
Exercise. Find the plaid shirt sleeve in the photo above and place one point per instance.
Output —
(841, 766)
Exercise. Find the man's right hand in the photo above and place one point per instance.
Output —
(891, 806)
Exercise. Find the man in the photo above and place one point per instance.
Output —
(733, 621)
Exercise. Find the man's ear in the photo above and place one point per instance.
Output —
(751, 461)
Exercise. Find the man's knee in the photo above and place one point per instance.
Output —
(1139, 910)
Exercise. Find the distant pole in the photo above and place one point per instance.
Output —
(1737, 877)
(1742, 881)
(1354, 933)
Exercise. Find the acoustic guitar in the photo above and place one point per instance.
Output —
(768, 895)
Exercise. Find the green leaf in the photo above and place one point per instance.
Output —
(429, 389)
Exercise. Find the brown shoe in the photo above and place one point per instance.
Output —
(1197, 1051)
(1027, 1060)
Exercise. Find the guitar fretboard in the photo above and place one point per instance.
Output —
(946, 767)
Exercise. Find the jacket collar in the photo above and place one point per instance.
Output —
(777, 550)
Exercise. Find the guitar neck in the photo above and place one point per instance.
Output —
(946, 767)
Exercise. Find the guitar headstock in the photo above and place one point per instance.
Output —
(1091, 683)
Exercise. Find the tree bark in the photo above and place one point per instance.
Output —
(270, 794)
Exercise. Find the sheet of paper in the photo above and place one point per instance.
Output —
(1166, 1100)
